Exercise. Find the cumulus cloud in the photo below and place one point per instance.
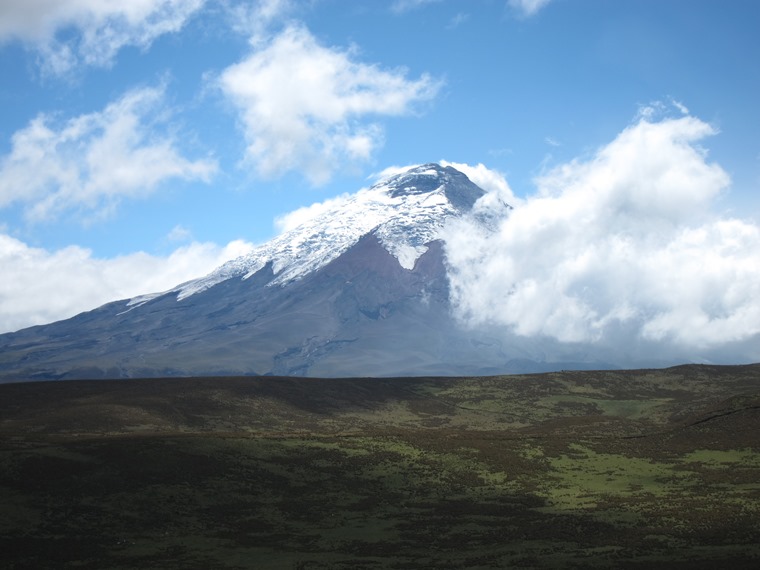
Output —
(310, 108)
(527, 8)
(90, 162)
(622, 247)
(66, 33)
(41, 286)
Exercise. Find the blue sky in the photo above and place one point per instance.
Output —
(141, 146)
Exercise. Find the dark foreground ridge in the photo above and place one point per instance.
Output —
(610, 469)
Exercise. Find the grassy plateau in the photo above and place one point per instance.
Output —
(613, 469)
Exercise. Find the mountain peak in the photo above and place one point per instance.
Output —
(430, 177)
(405, 212)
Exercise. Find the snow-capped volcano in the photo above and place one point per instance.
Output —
(405, 212)
(357, 286)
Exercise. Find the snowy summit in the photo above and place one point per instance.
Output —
(405, 212)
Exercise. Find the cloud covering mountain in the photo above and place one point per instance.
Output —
(620, 247)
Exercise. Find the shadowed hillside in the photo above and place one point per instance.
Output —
(639, 469)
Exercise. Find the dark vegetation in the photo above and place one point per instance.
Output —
(633, 469)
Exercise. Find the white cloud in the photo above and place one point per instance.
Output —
(70, 32)
(179, 233)
(256, 19)
(527, 8)
(621, 248)
(309, 108)
(40, 286)
(90, 162)
(680, 106)
(492, 181)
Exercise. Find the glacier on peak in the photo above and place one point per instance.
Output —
(404, 211)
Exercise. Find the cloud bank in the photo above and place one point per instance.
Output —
(619, 249)
(67, 33)
(310, 108)
(40, 286)
(90, 162)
